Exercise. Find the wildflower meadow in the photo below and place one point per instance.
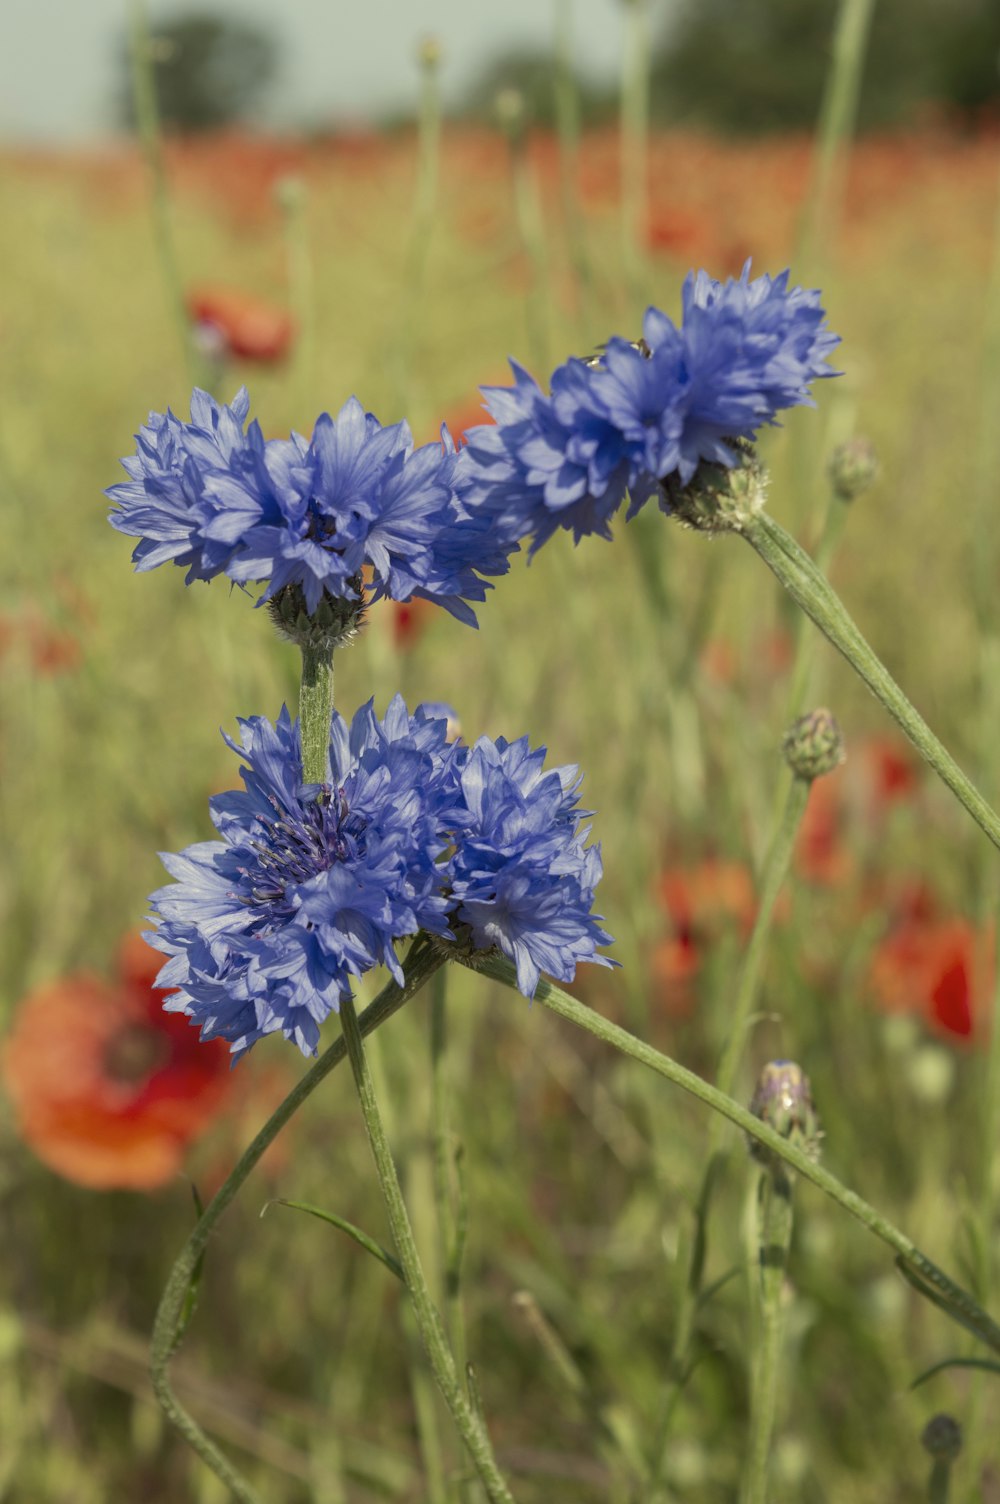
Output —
(500, 995)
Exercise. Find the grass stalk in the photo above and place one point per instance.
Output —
(919, 1270)
(775, 1234)
(428, 1319)
(422, 962)
(834, 130)
(805, 584)
(747, 992)
(634, 148)
(147, 120)
(567, 109)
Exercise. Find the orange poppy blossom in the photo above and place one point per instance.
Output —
(108, 1089)
(700, 900)
(239, 326)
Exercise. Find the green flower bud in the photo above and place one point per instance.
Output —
(942, 1437)
(429, 53)
(719, 498)
(813, 745)
(783, 1100)
(334, 622)
(510, 112)
(853, 467)
(290, 192)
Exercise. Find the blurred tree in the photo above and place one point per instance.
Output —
(759, 65)
(209, 71)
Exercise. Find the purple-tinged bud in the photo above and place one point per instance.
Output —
(813, 745)
(783, 1100)
(853, 467)
(942, 1438)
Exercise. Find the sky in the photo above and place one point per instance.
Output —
(341, 60)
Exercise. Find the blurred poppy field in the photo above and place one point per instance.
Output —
(661, 663)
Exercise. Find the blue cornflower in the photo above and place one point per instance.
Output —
(645, 412)
(312, 885)
(309, 885)
(523, 878)
(357, 502)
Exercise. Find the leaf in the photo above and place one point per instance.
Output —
(937, 1368)
(362, 1238)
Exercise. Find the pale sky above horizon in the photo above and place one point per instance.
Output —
(340, 61)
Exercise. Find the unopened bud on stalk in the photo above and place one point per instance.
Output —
(813, 745)
(720, 498)
(853, 467)
(289, 192)
(783, 1100)
(334, 622)
(942, 1438)
(510, 113)
(429, 53)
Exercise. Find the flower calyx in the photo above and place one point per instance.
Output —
(719, 498)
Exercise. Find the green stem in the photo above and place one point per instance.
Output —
(635, 147)
(450, 1214)
(921, 1271)
(531, 232)
(147, 120)
(938, 1487)
(423, 219)
(775, 1241)
(833, 527)
(835, 128)
(807, 587)
(747, 992)
(315, 710)
(428, 1319)
(421, 964)
(568, 130)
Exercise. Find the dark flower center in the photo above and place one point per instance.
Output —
(135, 1053)
(299, 847)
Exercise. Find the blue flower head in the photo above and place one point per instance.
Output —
(523, 877)
(309, 886)
(315, 520)
(650, 410)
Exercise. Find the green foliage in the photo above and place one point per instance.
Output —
(751, 66)
(210, 71)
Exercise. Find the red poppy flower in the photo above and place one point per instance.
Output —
(49, 649)
(409, 619)
(929, 967)
(700, 900)
(889, 770)
(107, 1088)
(821, 851)
(246, 327)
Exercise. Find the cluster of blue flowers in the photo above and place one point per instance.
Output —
(217, 498)
(620, 424)
(312, 885)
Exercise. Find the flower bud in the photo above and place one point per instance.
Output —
(783, 1100)
(289, 192)
(853, 467)
(813, 745)
(510, 111)
(719, 498)
(942, 1438)
(429, 53)
(333, 623)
